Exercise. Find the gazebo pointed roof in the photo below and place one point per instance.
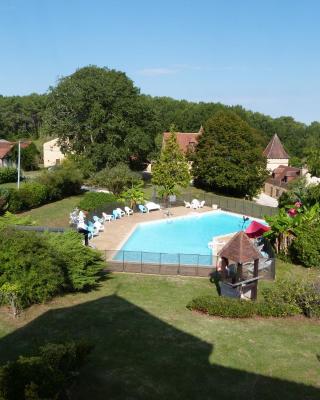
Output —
(239, 249)
(275, 150)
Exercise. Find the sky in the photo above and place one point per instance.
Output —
(263, 55)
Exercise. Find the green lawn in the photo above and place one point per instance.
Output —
(55, 214)
(149, 346)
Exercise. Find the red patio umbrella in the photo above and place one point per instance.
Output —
(256, 229)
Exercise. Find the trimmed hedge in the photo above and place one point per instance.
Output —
(30, 195)
(8, 174)
(50, 186)
(46, 375)
(95, 200)
(234, 308)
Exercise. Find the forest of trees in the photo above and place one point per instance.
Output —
(129, 122)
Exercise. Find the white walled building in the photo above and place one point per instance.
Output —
(52, 154)
(275, 154)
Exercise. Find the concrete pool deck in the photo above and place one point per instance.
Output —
(116, 232)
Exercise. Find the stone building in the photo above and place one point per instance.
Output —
(278, 165)
(52, 154)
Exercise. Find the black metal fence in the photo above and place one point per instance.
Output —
(39, 228)
(240, 206)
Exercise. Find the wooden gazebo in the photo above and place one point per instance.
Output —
(239, 251)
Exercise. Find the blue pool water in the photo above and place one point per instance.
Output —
(179, 240)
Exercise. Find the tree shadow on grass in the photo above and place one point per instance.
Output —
(138, 356)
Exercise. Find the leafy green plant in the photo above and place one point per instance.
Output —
(66, 180)
(8, 174)
(223, 307)
(134, 195)
(43, 265)
(116, 179)
(46, 375)
(305, 249)
(81, 265)
(4, 200)
(30, 195)
(94, 200)
(302, 296)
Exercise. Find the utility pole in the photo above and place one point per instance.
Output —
(19, 157)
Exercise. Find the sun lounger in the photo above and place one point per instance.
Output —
(116, 214)
(187, 204)
(151, 206)
(142, 208)
(202, 203)
(107, 217)
(121, 212)
(195, 204)
(128, 211)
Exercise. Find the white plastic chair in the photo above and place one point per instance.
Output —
(121, 212)
(195, 204)
(128, 211)
(202, 203)
(187, 204)
(107, 217)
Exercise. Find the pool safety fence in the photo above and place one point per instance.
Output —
(176, 264)
(160, 263)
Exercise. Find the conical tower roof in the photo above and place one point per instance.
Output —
(239, 249)
(275, 150)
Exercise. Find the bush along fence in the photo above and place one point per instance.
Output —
(175, 264)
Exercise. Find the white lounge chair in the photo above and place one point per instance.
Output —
(128, 211)
(107, 217)
(151, 206)
(187, 204)
(121, 212)
(98, 226)
(202, 203)
(195, 204)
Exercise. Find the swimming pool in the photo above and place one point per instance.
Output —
(179, 240)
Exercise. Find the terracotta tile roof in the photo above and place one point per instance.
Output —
(6, 147)
(239, 249)
(275, 150)
(184, 139)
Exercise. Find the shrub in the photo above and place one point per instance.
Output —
(223, 307)
(116, 179)
(94, 200)
(305, 249)
(4, 200)
(27, 260)
(281, 309)
(66, 180)
(81, 264)
(302, 296)
(30, 195)
(234, 308)
(46, 375)
(8, 174)
(11, 219)
(34, 267)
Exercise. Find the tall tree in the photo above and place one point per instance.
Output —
(171, 170)
(98, 113)
(228, 157)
